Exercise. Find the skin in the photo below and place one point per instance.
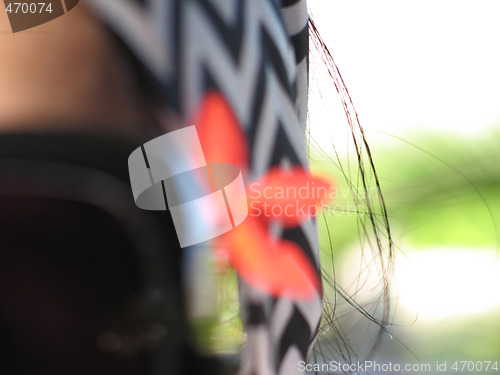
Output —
(67, 74)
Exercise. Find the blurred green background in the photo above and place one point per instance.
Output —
(442, 193)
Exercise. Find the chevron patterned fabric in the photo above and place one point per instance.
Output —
(255, 52)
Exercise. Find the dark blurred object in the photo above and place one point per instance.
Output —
(89, 283)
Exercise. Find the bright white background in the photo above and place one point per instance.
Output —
(408, 64)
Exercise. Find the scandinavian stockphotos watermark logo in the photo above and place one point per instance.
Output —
(205, 200)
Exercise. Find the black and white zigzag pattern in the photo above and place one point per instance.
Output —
(256, 53)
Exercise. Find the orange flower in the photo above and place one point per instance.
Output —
(288, 197)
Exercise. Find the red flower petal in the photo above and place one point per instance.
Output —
(221, 136)
(277, 267)
(290, 196)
